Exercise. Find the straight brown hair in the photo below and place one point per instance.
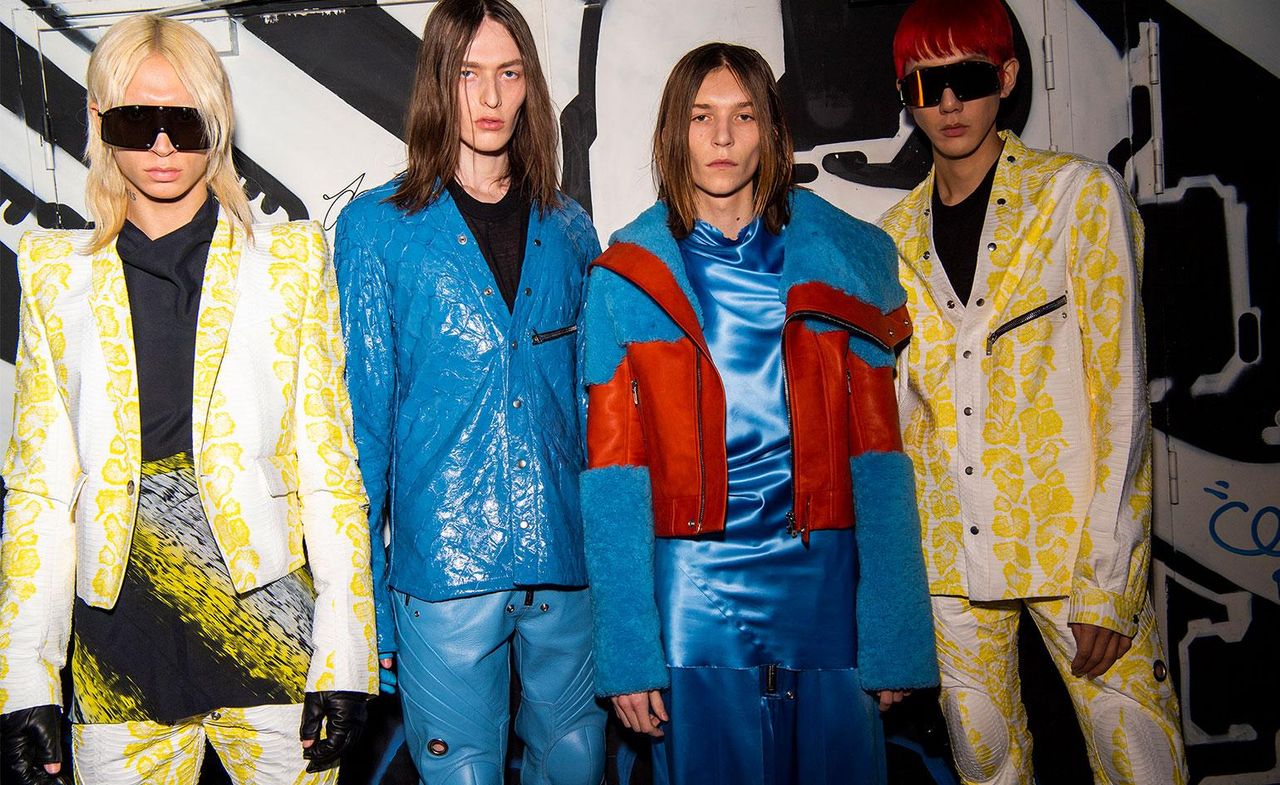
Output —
(431, 124)
(672, 168)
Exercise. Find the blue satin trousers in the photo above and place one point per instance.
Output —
(453, 671)
(763, 726)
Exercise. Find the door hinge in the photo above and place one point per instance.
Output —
(1047, 43)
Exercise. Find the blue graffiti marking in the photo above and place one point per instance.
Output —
(1262, 545)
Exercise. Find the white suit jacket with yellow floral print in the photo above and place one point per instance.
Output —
(1025, 410)
(271, 437)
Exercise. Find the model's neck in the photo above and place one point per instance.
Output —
(727, 213)
(156, 219)
(484, 175)
(956, 178)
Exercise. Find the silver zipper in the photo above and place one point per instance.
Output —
(1018, 321)
(537, 337)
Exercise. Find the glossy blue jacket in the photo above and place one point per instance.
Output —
(465, 414)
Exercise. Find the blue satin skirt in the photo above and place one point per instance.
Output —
(739, 726)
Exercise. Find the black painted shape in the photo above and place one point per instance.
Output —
(804, 173)
(1190, 324)
(1114, 20)
(838, 83)
(578, 120)
(909, 166)
(9, 294)
(258, 181)
(363, 55)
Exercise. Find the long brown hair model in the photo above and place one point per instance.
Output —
(672, 168)
(432, 122)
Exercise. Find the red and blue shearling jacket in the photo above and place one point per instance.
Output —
(657, 463)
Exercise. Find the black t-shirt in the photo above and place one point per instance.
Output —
(957, 230)
(500, 228)
(164, 277)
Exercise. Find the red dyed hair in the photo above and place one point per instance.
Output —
(938, 28)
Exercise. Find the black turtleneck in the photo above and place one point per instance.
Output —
(164, 278)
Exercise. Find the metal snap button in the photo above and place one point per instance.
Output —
(488, 290)
(968, 470)
(1010, 158)
(437, 747)
(973, 529)
(991, 246)
(129, 487)
(951, 303)
(1160, 670)
(524, 524)
(537, 241)
(514, 344)
(967, 354)
(544, 607)
(520, 464)
(926, 254)
(217, 715)
(528, 291)
(517, 403)
(462, 239)
(979, 301)
(968, 410)
(511, 609)
(1001, 200)
(692, 524)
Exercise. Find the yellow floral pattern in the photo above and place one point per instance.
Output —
(272, 439)
(1130, 718)
(257, 746)
(1031, 435)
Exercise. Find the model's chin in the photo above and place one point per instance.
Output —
(174, 191)
(489, 142)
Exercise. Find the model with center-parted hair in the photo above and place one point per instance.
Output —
(182, 488)
(460, 286)
(738, 353)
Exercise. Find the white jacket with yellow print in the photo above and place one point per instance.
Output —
(1025, 411)
(271, 437)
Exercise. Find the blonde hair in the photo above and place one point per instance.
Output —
(112, 66)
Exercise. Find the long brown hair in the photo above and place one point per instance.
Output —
(432, 120)
(672, 168)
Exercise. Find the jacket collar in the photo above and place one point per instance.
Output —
(109, 302)
(821, 244)
(919, 228)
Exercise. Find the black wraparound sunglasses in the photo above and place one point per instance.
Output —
(968, 80)
(137, 127)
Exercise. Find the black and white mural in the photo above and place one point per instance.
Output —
(1171, 92)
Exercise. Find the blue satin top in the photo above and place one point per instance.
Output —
(754, 595)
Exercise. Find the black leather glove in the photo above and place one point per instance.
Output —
(32, 738)
(346, 712)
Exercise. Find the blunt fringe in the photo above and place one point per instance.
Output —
(432, 121)
(672, 165)
(939, 28)
(112, 66)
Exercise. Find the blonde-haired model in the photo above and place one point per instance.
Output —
(183, 494)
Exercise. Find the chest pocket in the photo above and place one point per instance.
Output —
(1025, 318)
(537, 338)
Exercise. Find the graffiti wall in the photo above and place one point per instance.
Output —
(1171, 92)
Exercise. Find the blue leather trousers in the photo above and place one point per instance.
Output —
(453, 669)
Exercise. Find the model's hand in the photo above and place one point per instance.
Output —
(346, 712)
(32, 747)
(386, 673)
(890, 697)
(1097, 649)
(641, 711)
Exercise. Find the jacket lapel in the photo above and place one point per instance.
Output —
(218, 296)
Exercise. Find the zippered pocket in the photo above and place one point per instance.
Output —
(537, 337)
(1018, 321)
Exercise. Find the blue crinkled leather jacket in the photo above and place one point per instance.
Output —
(465, 414)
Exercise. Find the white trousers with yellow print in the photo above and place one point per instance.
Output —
(257, 746)
(1129, 715)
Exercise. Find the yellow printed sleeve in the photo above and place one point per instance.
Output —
(42, 477)
(334, 505)
(1105, 258)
